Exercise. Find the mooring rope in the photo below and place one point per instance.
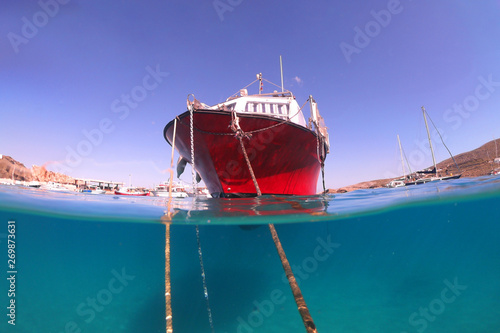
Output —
(167, 219)
(205, 289)
(297, 294)
(250, 169)
(235, 126)
(168, 289)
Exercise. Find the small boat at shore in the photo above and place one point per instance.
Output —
(92, 190)
(164, 190)
(131, 191)
(96, 190)
(400, 182)
(34, 184)
(53, 186)
(252, 144)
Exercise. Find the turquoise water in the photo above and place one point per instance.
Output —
(417, 259)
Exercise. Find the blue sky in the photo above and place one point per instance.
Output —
(86, 87)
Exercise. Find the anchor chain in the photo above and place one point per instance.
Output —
(191, 136)
(203, 276)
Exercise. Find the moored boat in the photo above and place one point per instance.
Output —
(131, 191)
(96, 190)
(252, 144)
(163, 190)
(428, 175)
(400, 182)
(53, 186)
(34, 184)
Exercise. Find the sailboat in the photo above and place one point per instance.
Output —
(400, 182)
(425, 176)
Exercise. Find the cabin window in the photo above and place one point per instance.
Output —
(264, 108)
(230, 107)
(270, 108)
(251, 107)
(284, 109)
(281, 109)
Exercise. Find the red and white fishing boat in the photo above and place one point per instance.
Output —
(131, 191)
(252, 144)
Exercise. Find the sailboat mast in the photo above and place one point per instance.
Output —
(402, 161)
(430, 142)
(496, 150)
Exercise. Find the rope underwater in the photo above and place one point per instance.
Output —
(297, 294)
(167, 219)
(168, 289)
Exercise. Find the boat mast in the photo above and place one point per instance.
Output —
(496, 150)
(430, 142)
(402, 161)
(281, 69)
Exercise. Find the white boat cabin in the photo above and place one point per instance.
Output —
(280, 105)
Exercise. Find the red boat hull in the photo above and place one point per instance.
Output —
(283, 155)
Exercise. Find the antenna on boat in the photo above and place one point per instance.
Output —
(261, 85)
(281, 69)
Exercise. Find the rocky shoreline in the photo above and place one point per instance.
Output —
(12, 170)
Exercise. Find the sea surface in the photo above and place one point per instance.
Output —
(418, 259)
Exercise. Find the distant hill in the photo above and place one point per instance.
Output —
(474, 163)
(12, 169)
